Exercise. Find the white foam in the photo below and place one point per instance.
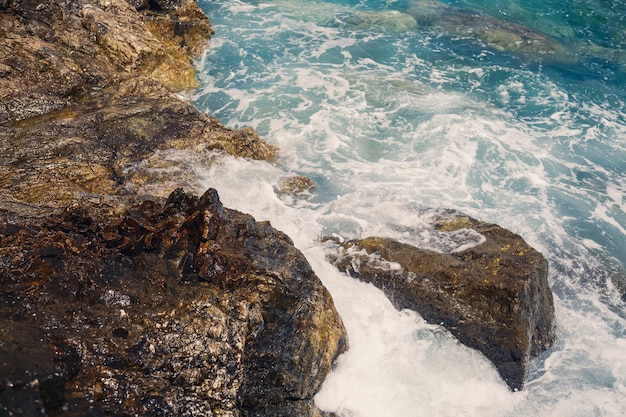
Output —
(396, 360)
(387, 137)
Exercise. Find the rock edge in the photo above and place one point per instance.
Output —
(493, 297)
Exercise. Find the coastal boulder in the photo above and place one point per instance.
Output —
(492, 294)
(114, 300)
(87, 98)
(179, 307)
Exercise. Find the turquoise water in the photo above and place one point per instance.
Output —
(512, 112)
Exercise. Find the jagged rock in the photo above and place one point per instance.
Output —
(493, 296)
(178, 308)
(86, 90)
(123, 304)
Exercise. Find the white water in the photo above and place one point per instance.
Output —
(390, 125)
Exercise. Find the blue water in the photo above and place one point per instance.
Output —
(512, 112)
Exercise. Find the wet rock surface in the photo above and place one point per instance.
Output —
(113, 300)
(176, 307)
(87, 89)
(493, 296)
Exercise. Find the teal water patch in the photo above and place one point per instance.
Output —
(350, 93)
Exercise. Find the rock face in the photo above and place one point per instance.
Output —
(114, 301)
(494, 297)
(176, 308)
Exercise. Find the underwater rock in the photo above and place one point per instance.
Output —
(506, 36)
(492, 296)
(176, 307)
(498, 34)
(389, 20)
(619, 282)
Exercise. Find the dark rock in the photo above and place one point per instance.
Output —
(494, 296)
(180, 307)
(114, 301)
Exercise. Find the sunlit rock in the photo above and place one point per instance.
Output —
(113, 302)
(86, 92)
(492, 294)
(296, 185)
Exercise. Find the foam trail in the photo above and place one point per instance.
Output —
(391, 124)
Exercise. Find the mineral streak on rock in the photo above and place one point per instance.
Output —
(178, 307)
(493, 297)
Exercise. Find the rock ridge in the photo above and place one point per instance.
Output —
(115, 299)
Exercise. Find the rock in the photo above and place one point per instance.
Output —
(619, 283)
(501, 35)
(115, 302)
(87, 91)
(179, 307)
(492, 296)
(296, 185)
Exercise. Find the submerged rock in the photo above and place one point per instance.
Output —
(492, 296)
(181, 307)
(389, 20)
(501, 35)
(506, 36)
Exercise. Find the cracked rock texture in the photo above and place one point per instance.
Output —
(178, 307)
(119, 293)
(493, 296)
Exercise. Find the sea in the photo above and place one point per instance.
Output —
(510, 111)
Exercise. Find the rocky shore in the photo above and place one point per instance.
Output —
(114, 301)
(87, 88)
(121, 294)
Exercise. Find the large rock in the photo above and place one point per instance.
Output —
(125, 303)
(177, 308)
(491, 293)
(87, 90)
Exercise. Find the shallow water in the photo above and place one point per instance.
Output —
(510, 112)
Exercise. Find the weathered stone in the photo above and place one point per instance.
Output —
(181, 307)
(86, 93)
(493, 296)
(123, 304)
